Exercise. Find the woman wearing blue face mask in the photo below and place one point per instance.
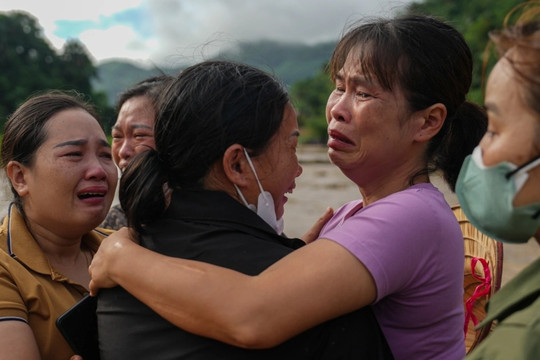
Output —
(499, 185)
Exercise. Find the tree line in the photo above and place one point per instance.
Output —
(30, 65)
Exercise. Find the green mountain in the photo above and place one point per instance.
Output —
(113, 77)
(290, 62)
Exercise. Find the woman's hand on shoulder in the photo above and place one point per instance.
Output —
(112, 249)
(313, 233)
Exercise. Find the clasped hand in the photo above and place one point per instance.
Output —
(109, 252)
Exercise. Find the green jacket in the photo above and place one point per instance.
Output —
(516, 307)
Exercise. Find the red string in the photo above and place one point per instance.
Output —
(481, 290)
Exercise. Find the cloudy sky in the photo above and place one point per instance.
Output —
(165, 31)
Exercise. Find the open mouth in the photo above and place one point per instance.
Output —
(90, 195)
(291, 189)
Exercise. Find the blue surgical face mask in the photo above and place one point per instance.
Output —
(486, 195)
(265, 203)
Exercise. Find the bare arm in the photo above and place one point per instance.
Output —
(17, 341)
(311, 285)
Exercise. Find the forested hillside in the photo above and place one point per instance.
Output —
(28, 64)
(474, 19)
(289, 62)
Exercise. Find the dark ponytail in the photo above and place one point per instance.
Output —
(141, 190)
(459, 136)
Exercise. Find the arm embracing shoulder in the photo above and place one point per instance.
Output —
(313, 284)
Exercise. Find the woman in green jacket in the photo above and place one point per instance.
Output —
(499, 185)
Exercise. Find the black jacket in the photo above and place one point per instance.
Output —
(212, 227)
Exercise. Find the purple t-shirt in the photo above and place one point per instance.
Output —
(412, 245)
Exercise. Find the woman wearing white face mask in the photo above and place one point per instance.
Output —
(398, 111)
(226, 138)
(499, 186)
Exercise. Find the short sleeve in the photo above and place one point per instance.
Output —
(396, 238)
(12, 305)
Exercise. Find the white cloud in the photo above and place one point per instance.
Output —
(105, 44)
(187, 29)
(51, 10)
(192, 27)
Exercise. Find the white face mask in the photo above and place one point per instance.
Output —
(265, 203)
